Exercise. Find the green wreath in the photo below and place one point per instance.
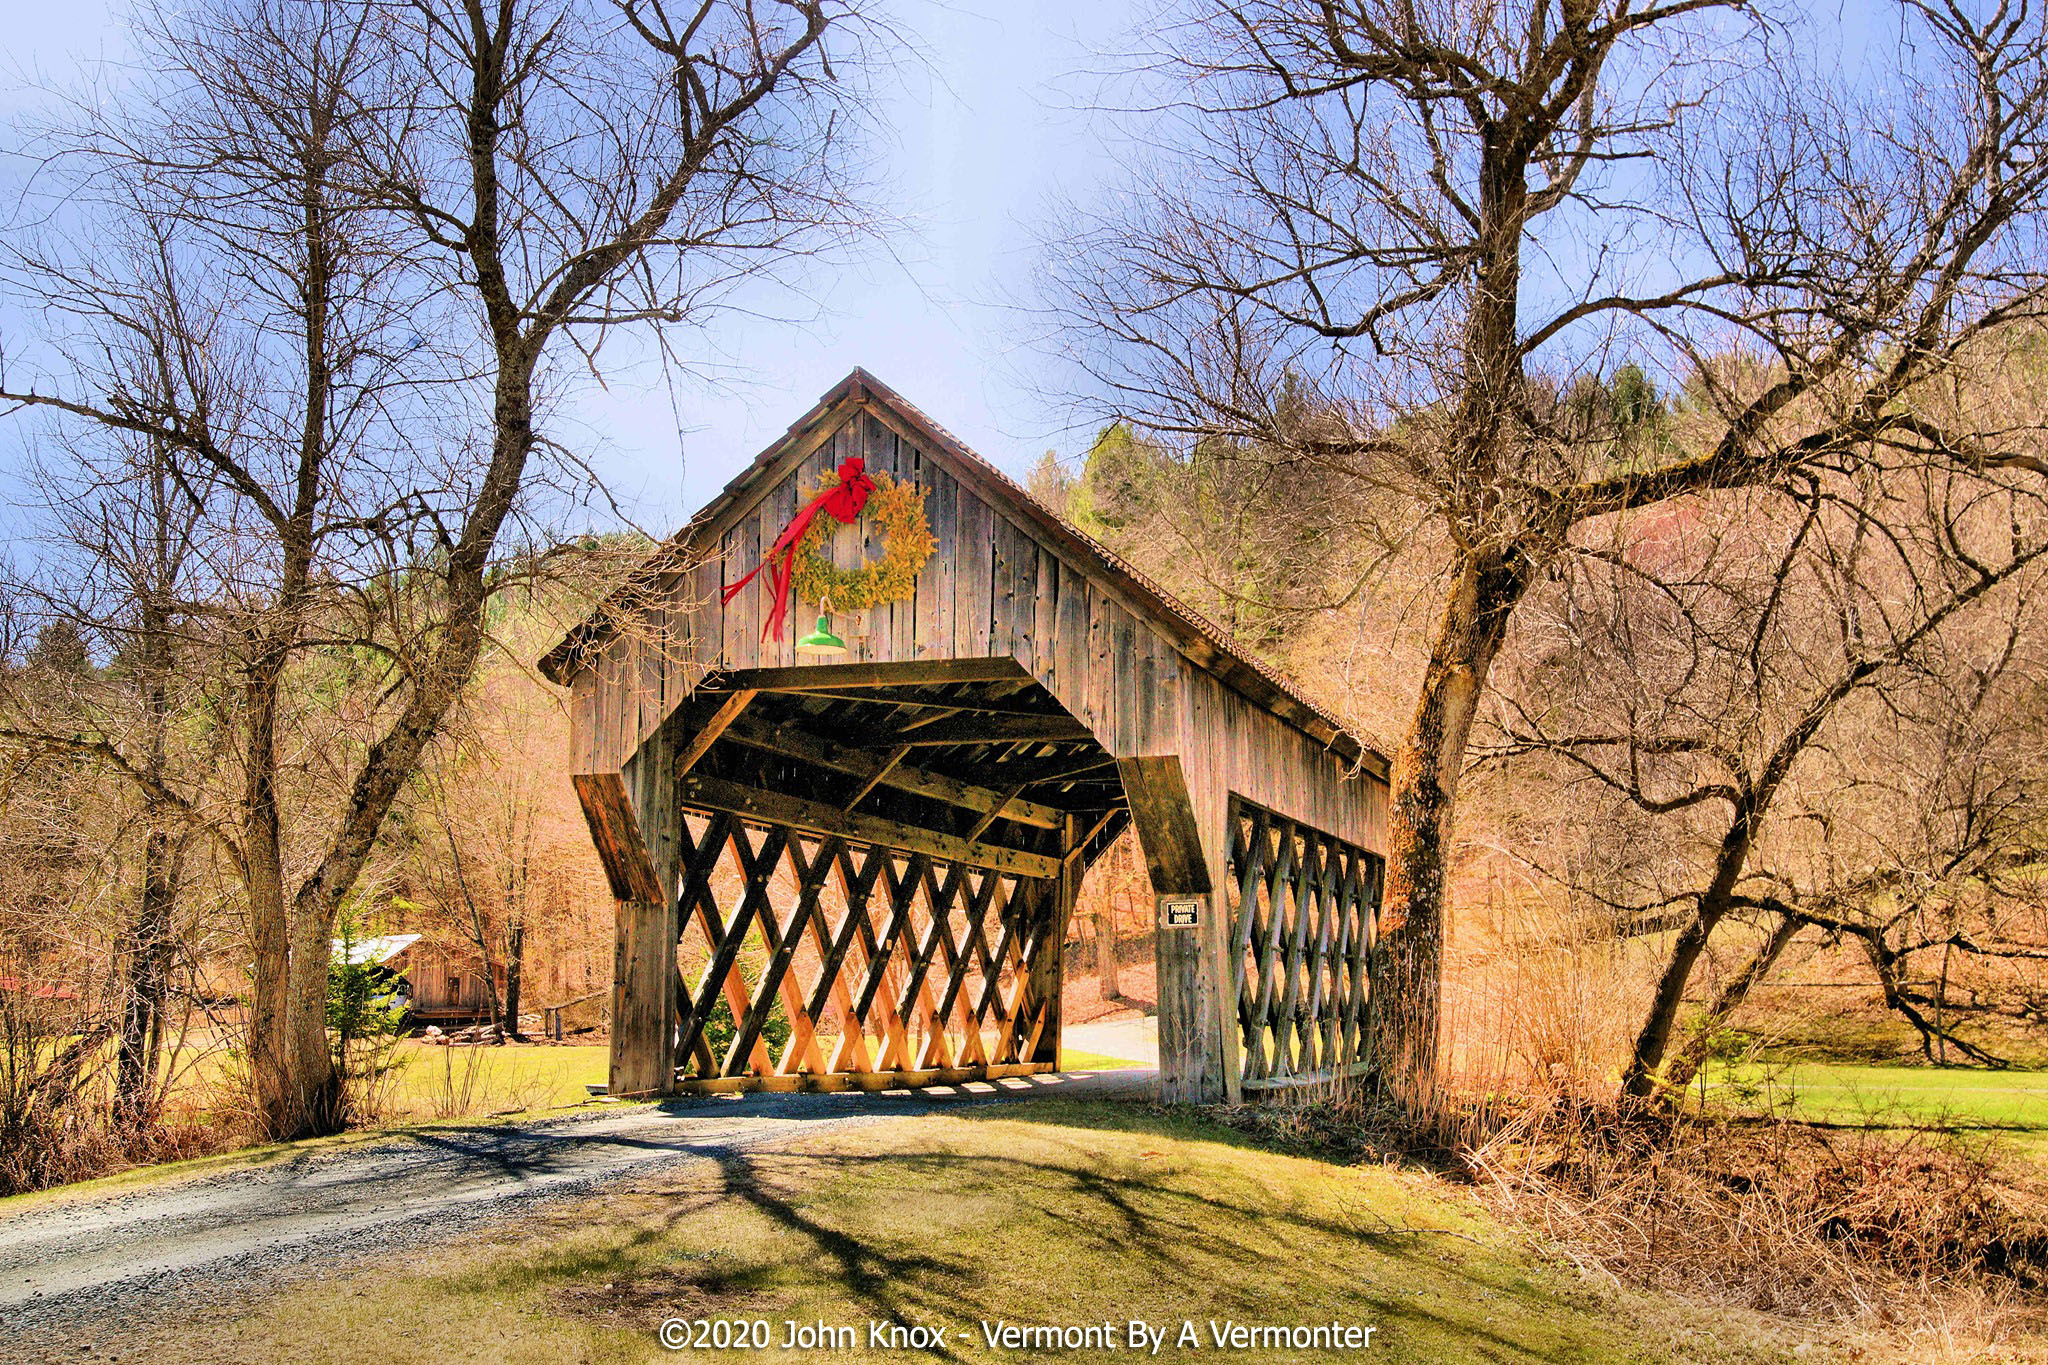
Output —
(898, 508)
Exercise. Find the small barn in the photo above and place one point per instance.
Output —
(437, 986)
(850, 740)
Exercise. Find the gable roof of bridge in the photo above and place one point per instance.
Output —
(1200, 640)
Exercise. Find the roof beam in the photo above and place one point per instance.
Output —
(835, 677)
(793, 741)
(896, 756)
(981, 825)
(1033, 772)
(988, 730)
(707, 734)
(711, 793)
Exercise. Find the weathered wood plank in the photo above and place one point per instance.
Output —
(707, 734)
(712, 793)
(1045, 619)
(934, 607)
(973, 558)
(792, 742)
(1157, 793)
(615, 830)
(1013, 606)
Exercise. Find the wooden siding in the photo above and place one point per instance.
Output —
(1002, 583)
(990, 589)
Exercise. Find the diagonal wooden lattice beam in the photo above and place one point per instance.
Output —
(699, 860)
(727, 940)
(950, 1008)
(783, 941)
(1301, 907)
(815, 817)
(856, 886)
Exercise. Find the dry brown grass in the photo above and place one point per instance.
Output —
(1917, 1243)
(57, 1115)
(1776, 1215)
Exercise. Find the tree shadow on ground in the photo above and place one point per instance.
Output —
(1055, 1229)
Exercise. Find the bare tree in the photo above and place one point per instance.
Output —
(387, 222)
(1433, 218)
(1823, 705)
(119, 576)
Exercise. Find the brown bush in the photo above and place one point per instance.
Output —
(1772, 1214)
(1897, 1227)
(51, 1130)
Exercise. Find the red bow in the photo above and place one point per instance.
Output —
(844, 500)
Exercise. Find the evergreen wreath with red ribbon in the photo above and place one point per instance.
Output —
(794, 560)
(898, 512)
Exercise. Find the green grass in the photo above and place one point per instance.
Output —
(430, 1087)
(2011, 1105)
(438, 1082)
(1052, 1213)
(1072, 1059)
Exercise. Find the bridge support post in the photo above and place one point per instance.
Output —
(1194, 1067)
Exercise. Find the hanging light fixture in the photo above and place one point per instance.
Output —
(822, 643)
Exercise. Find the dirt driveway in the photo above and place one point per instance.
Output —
(73, 1260)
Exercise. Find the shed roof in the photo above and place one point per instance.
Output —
(374, 952)
(1199, 639)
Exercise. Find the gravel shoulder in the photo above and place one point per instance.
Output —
(69, 1263)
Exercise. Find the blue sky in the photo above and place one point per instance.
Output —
(983, 134)
(981, 141)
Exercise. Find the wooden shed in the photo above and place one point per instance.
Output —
(879, 849)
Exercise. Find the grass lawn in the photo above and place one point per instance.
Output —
(1072, 1059)
(2010, 1105)
(1059, 1213)
(442, 1082)
(449, 1082)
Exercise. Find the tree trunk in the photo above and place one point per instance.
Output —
(394, 758)
(263, 882)
(151, 939)
(1105, 952)
(151, 935)
(1693, 1055)
(515, 955)
(1408, 965)
(1639, 1082)
(315, 1097)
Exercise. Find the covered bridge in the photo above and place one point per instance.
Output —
(882, 828)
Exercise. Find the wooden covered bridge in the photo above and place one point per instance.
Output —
(872, 837)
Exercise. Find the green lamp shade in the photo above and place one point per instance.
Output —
(821, 640)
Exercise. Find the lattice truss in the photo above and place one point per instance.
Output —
(1302, 905)
(881, 960)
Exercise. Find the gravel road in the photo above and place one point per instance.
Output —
(71, 1262)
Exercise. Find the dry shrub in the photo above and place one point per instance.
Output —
(52, 1122)
(57, 1122)
(1539, 992)
(1353, 1125)
(1773, 1214)
(1916, 1232)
